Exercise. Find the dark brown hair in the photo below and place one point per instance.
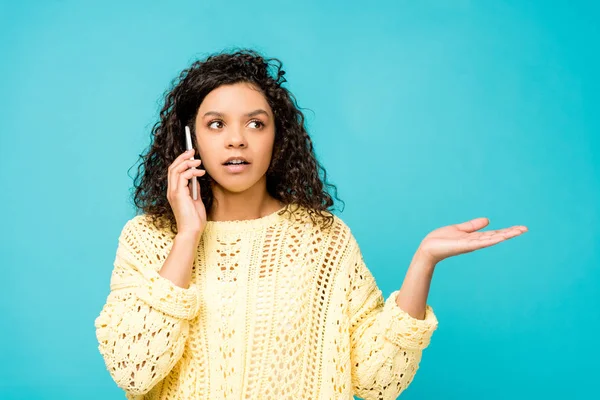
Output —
(293, 175)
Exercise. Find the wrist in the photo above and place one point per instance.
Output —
(423, 261)
(188, 237)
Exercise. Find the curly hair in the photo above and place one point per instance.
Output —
(293, 174)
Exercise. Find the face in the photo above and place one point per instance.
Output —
(235, 121)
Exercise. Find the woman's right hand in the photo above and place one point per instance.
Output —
(189, 213)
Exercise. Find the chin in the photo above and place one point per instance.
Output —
(229, 184)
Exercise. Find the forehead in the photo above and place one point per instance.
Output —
(239, 98)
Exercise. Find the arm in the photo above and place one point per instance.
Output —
(386, 341)
(412, 296)
(144, 324)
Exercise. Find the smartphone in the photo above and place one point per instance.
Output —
(188, 146)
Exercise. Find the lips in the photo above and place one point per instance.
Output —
(236, 163)
(236, 168)
(236, 158)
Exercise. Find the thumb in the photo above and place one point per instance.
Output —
(473, 225)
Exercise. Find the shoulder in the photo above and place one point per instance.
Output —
(143, 229)
(136, 225)
(346, 235)
(302, 215)
(340, 227)
(334, 235)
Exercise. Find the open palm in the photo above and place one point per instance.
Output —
(462, 238)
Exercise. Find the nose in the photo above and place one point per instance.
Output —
(236, 138)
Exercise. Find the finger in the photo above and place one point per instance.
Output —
(186, 155)
(480, 243)
(186, 181)
(179, 165)
(473, 225)
(185, 165)
(490, 242)
(507, 233)
(486, 239)
(511, 233)
(199, 190)
(514, 229)
(488, 234)
(186, 176)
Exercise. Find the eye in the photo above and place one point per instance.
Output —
(215, 121)
(259, 122)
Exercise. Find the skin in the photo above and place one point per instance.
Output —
(229, 123)
(442, 243)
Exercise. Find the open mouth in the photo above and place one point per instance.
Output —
(236, 163)
(236, 167)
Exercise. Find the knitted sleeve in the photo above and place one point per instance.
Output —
(386, 342)
(143, 326)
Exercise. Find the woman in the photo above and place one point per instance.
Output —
(255, 290)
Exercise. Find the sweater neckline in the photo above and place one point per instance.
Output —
(245, 224)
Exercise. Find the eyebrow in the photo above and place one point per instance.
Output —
(250, 114)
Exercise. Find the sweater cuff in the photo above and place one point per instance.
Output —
(406, 331)
(162, 294)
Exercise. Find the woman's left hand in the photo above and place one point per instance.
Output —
(462, 238)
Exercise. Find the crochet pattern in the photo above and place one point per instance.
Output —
(278, 308)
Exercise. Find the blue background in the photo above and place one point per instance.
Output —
(423, 113)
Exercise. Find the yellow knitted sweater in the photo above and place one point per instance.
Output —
(278, 308)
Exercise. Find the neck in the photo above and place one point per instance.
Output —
(253, 203)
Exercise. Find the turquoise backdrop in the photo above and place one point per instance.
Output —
(424, 113)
